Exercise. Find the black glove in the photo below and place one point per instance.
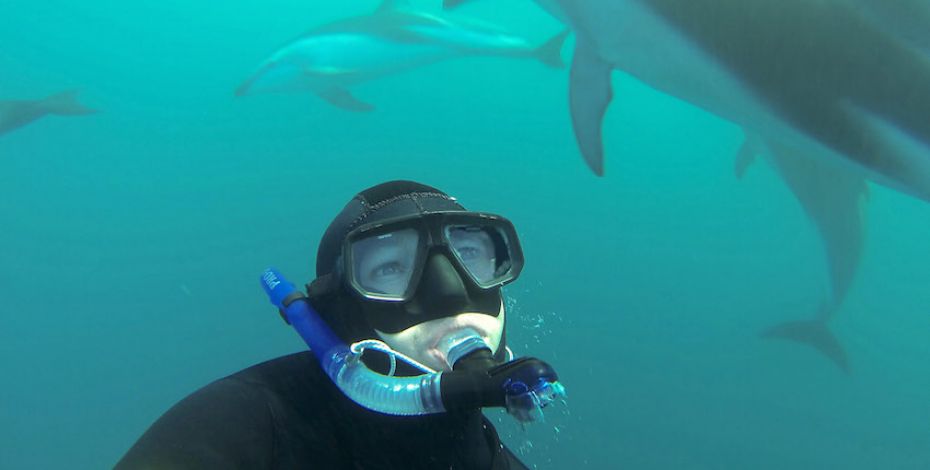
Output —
(477, 383)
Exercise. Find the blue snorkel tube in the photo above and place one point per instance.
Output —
(378, 392)
(524, 386)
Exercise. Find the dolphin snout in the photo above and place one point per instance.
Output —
(244, 87)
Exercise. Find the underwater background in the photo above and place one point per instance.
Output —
(132, 241)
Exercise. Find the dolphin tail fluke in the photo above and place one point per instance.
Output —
(589, 94)
(66, 104)
(341, 98)
(550, 53)
(814, 333)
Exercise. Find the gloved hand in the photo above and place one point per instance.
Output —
(524, 386)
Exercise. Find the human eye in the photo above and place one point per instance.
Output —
(469, 253)
(387, 270)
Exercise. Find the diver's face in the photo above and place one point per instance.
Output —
(423, 341)
(385, 265)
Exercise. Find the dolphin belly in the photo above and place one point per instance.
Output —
(631, 37)
(817, 77)
(320, 62)
(908, 20)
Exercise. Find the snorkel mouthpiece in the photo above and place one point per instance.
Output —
(524, 386)
(463, 343)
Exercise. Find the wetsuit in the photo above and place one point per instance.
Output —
(286, 413)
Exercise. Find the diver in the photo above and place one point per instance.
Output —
(412, 281)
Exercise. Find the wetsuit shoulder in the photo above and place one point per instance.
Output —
(513, 463)
(245, 420)
(504, 459)
(286, 413)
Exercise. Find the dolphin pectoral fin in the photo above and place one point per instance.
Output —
(550, 53)
(745, 157)
(340, 97)
(589, 94)
(814, 333)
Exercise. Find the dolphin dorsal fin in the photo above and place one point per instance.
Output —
(392, 5)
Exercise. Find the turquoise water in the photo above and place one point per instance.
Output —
(132, 240)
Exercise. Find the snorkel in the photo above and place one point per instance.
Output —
(524, 386)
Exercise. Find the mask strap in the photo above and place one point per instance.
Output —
(322, 286)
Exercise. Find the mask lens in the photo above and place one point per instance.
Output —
(484, 251)
(383, 264)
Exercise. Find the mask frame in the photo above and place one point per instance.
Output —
(433, 238)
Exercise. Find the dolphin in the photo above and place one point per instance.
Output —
(813, 83)
(17, 113)
(832, 198)
(817, 76)
(330, 59)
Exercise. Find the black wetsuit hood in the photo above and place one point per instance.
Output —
(353, 318)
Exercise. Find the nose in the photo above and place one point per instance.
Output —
(441, 288)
